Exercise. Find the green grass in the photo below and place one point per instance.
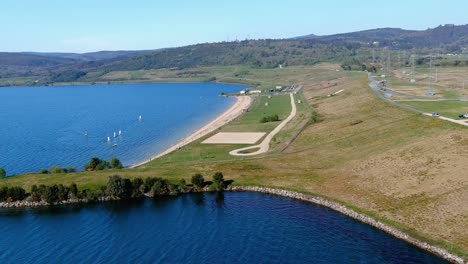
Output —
(196, 152)
(449, 109)
(324, 159)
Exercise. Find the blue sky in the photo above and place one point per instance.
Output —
(91, 25)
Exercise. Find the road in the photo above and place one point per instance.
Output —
(373, 84)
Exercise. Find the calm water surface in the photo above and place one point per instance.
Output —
(42, 127)
(197, 228)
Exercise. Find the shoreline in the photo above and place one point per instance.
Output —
(242, 103)
(392, 231)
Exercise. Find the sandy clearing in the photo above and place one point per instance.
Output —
(242, 103)
(265, 145)
(234, 138)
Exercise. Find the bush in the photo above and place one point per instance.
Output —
(198, 180)
(43, 171)
(55, 170)
(182, 183)
(2, 173)
(118, 187)
(95, 164)
(272, 118)
(71, 169)
(218, 180)
(314, 117)
(115, 163)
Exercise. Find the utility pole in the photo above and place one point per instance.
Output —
(412, 69)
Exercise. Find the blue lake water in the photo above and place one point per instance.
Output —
(42, 127)
(197, 228)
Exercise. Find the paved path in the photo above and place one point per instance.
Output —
(265, 145)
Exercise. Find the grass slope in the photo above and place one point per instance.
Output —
(403, 168)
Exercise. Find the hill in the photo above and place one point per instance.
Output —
(449, 36)
(348, 48)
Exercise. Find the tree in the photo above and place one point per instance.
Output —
(96, 164)
(182, 183)
(138, 187)
(35, 193)
(198, 180)
(73, 190)
(218, 180)
(102, 165)
(115, 163)
(118, 187)
(54, 170)
(2, 173)
(93, 163)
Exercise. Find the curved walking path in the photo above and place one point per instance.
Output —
(265, 145)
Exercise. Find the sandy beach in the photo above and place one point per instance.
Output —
(242, 103)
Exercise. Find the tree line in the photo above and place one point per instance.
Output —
(116, 188)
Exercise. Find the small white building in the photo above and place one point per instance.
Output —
(242, 92)
(255, 91)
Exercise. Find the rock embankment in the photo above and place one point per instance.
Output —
(357, 216)
(31, 204)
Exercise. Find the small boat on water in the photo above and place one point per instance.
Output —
(114, 145)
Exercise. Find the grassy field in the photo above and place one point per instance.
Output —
(403, 168)
(446, 108)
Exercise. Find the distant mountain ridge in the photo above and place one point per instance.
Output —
(446, 35)
(266, 53)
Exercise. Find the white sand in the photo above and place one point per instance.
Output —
(234, 138)
(242, 103)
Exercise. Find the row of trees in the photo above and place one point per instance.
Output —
(117, 188)
(56, 169)
(96, 164)
(10, 194)
(54, 193)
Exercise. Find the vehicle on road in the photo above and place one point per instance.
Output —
(435, 115)
(463, 116)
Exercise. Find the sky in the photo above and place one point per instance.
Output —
(93, 25)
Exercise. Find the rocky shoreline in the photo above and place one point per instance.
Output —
(33, 204)
(357, 216)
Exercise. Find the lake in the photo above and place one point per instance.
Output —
(41, 127)
(197, 228)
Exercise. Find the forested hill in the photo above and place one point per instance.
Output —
(354, 47)
(448, 37)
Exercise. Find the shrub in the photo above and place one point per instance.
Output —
(115, 163)
(198, 180)
(272, 118)
(55, 170)
(218, 180)
(314, 117)
(2, 173)
(182, 183)
(71, 169)
(43, 171)
(118, 187)
(96, 164)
